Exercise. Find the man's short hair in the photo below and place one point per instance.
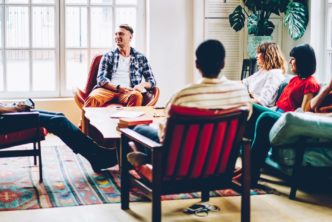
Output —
(127, 27)
(210, 58)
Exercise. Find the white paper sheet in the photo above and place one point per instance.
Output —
(127, 114)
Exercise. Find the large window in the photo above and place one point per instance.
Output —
(46, 46)
(329, 41)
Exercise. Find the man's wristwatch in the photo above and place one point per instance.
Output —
(117, 88)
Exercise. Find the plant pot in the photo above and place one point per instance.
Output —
(253, 42)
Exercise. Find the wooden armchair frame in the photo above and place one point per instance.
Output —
(18, 129)
(169, 176)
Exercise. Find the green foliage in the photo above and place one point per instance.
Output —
(258, 12)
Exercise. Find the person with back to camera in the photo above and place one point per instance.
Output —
(212, 92)
(296, 95)
(120, 74)
(263, 85)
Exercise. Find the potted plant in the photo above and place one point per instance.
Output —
(258, 12)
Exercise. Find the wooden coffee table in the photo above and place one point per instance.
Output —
(103, 129)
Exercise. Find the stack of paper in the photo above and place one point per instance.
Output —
(126, 114)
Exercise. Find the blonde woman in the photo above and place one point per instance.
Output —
(264, 84)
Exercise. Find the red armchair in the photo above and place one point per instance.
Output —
(81, 94)
(198, 154)
(18, 129)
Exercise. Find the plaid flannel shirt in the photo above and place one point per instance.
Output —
(139, 68)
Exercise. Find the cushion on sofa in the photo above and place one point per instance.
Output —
(293, 126)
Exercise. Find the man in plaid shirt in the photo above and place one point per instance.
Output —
(120, 74)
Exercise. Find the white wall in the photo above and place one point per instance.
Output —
(171, 44)
(313, 36)
(62, 105)
(317, 37)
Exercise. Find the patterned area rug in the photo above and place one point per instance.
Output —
(68, 181)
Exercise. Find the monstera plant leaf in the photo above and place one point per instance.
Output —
(259, 27)
(259, 12)
(296, 19)
(237, 19)
(252, 24)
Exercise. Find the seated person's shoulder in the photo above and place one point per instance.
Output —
(235, 84)
(108, 55)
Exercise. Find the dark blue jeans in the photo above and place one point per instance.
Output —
(261, 144)
(60, 126)
(257, 110)
(148, 132)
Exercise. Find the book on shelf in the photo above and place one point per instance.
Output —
(128, 122)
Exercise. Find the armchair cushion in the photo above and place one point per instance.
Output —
(293, 126)
(19, 136)
(19, 128)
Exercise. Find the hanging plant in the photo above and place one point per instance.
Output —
(258, 12)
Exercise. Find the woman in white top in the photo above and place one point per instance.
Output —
(263, 85)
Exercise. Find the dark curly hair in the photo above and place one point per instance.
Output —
(210, 58)
(305, 60)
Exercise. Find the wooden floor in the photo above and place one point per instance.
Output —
(277, 207)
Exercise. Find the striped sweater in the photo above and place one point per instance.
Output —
(216, 93)
(212, 94)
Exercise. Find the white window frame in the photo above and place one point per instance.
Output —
(328, 43)
(60, 49)
(30, 93)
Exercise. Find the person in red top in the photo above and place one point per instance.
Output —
(302, 88)
(297, 94)
(299, 90)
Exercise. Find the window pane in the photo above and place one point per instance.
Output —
(126, 2)
(43, 1)
(43, 70)
(43, 26)
(76, 1)
(329, 62)
(17, 27)
(76, 27)
(126, 16)
(16, 1)
(101, 1)
(1, 73)
(95, 52)
(76, 68)
(1, 11)
(101, 27)
(329, 28)
(18, 67)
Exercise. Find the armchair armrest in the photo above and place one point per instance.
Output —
(12, 122)
(142, 140)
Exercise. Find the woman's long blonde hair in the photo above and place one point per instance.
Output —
(273, 57)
